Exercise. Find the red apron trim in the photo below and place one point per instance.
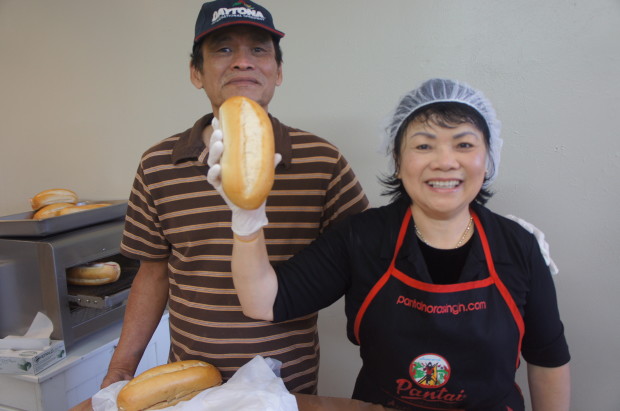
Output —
(441, 288)
(500, 285)
(386, 276)
(371, 295)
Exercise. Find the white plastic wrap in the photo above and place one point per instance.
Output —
(255, 386)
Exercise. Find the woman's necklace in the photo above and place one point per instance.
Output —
(461, 241)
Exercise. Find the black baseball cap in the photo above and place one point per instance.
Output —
(223, 13)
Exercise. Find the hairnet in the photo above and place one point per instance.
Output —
(443, 90)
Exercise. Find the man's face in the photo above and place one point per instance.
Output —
(238, 61)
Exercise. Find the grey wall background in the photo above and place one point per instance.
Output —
(87, 86)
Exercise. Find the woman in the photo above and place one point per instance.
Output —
(442, 295)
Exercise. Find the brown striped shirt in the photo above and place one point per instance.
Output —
(176, 215)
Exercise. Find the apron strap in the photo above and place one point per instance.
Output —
(379, 284)
(401, 236)
(499, 284)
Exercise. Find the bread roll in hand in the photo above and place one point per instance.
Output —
(248, 158)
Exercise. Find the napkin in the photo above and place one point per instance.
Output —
(36, 338)
(254, 387)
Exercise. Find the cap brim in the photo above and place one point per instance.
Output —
(238, 23)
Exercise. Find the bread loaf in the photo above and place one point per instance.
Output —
(167, 385)
(51, 210)
(53, 196)
(248, 158)
(94, 273)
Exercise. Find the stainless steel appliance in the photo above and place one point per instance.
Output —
(34, 258)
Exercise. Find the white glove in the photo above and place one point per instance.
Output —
(244, 222)
(540, 236)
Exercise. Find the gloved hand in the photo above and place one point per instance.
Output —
(540, 236)
(244, 222)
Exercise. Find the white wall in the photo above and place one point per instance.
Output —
(86, 87)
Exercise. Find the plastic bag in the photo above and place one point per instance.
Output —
(255, 386)
(542, 243)
(105, 399)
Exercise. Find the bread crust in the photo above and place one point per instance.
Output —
(94, 273)
(78, 208)
(50, 210)
(52, 196)
(247, 160)
(167, 385)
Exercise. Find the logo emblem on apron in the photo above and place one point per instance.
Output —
(430, 371)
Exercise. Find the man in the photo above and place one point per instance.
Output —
(178, 226)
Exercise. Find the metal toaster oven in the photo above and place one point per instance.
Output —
(33, 268)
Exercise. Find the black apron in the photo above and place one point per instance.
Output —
(433, 347)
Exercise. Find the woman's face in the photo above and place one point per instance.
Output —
(442, 169)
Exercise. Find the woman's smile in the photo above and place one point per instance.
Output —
(444, 184)
(442, 167)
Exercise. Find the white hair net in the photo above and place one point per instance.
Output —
(443, 90)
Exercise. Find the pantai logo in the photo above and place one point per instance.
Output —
(428, 376)
(430, 371)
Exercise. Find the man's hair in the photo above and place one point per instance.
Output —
(444, 114)
(197, 58)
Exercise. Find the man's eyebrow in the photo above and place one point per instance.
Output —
(218, 38)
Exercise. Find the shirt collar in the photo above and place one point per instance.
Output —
(190, 145)
(413, 253)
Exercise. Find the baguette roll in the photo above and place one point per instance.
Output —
(51, 210)
(248, 158)
(167, 385)
(78, 208)
(94, 273)
(52, 196)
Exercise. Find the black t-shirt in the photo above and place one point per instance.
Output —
(445, 266)
(349, 259)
